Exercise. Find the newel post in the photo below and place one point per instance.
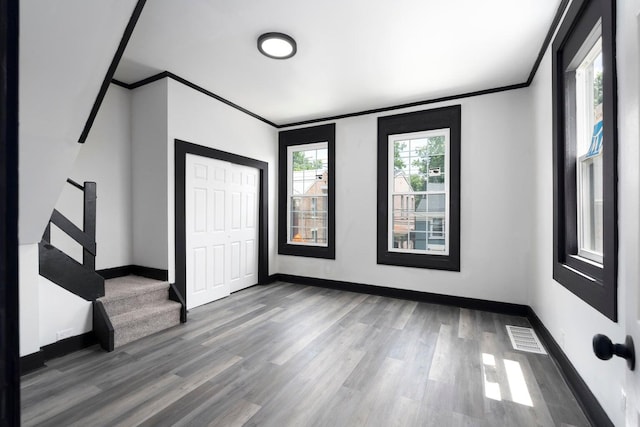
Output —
(89, 224)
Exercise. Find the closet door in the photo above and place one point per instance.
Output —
(221, 228)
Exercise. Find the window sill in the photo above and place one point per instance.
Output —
(584, 259)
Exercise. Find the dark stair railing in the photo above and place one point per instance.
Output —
(61, 269)
(80, 279)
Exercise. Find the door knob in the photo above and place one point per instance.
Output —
(605, 349)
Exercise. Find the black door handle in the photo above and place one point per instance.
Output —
(605, 349)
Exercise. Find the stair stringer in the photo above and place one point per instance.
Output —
(102, 327)
(68, 273)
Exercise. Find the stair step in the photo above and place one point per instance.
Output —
(137, 307)
(124, 287)
(129, 293)
(134, 325)
(115, 307)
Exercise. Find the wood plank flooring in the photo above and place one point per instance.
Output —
(292, 355)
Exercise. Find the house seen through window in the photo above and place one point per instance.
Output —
(307, 195)
(419, 189)
(306, 192)
(419, 192)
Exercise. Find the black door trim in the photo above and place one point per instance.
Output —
(9, 320)
(182, 148)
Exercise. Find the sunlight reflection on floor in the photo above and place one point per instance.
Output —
(517, 383)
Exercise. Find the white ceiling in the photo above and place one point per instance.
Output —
(353, 55)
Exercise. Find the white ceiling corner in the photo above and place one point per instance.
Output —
(353, 55)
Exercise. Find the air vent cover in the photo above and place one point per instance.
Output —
(525, 339)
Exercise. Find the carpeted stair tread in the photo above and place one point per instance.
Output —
(138, 307)
(131, 317)
(130, 293)
(132, 326)
(127, 286)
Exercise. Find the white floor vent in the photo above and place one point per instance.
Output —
(525, 339)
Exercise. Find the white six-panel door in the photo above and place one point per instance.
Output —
(221, 228)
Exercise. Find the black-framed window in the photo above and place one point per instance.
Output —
(306, 199)
(584, 154)
(419, 189)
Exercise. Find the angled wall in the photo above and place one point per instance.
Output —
(106, 160)
(65, 51)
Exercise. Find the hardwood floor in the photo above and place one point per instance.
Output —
(291, 355)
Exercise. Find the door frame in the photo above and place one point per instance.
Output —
(182, 148)
(9, 305)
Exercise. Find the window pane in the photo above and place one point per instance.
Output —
(419, 186)
(309, 219)
(403, 223)
(584, 78)
(436, 235)
(419, 240)
(308, 206)
(432, 203)
(437, 228)
(590, 198)
(309, 171)
(419, 163)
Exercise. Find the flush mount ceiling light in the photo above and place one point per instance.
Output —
(277, 45)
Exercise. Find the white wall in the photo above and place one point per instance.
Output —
(149, 175)
(61, 312)
(202, 120)
(105, 159)
(496, 182)
(571, 321)
(162, 112)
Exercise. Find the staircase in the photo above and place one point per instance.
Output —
(124, 309)
(137, 307)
